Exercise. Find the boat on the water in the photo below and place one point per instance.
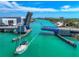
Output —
(22, 47)
(21, 36)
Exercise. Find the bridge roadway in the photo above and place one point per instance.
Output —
(8, 27)
(69, 28)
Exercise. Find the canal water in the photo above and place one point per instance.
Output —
(43, 44)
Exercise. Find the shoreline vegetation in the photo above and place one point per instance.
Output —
(67, 22)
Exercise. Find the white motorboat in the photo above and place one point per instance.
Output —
(22, 47)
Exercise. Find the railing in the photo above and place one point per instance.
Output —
(68, 28)
(8, 27)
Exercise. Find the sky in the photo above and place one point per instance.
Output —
(54, 9)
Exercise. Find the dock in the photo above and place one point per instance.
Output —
(67, 40)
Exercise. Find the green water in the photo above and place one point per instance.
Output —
(43, 45)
